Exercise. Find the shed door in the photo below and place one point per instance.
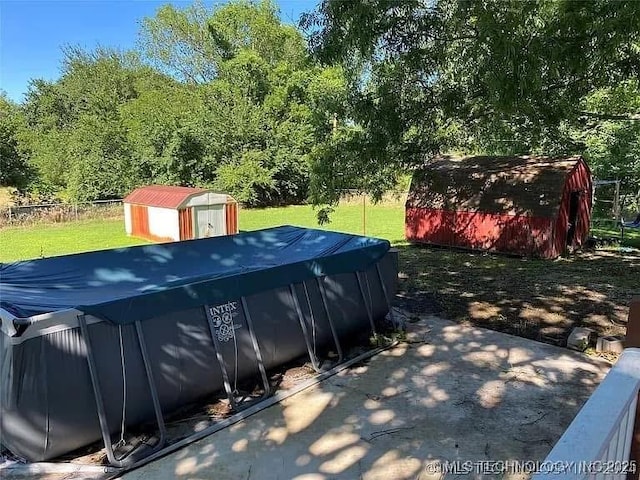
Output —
(209, 221)
(574, 207)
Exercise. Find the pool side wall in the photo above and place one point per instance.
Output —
(47, 404)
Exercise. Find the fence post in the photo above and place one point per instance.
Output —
(616, 202)
(364, 214)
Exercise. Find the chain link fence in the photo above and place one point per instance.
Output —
(25, 215)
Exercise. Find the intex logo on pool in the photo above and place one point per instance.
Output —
(222, 316)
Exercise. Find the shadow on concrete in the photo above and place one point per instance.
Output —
(449, 393)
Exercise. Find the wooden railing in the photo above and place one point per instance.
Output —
(597, 444)
(602, 441)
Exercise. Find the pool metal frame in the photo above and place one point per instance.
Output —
(144, 451)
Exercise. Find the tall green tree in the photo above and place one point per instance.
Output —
(427, 77)
(224, 97)
(260, 108)
(163, 127)
(75, 136)
(612, 139)
(14, 169)
(177, 41)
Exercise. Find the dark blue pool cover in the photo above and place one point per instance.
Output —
(138, 283)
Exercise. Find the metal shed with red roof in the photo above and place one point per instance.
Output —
(525, 205)
(163, 213)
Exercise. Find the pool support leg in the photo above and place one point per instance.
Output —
(138, 452)
(303, 327)
(386, 293)
(325, 304)
(256, 349)
(366, 305)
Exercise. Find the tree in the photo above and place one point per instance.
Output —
(258, 110)
(507, 77)
(14, 170)
(233, 101)
(191, 43)
(178, 43)
(163, 126)
(256, 26)
(75, 137)
(612, 140)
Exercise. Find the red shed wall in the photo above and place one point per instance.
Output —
(139, 221)
(515, 234)
(579, 179)
(185, 217)
(140, 225)
(232, 218)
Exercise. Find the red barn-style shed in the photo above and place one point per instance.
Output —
(524, 205)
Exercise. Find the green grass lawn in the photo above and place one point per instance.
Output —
(631, 236)
(46, 240)
(383, 221)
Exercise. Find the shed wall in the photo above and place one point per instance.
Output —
(185, 217)
(232, 218)
(520, 235)
(139, 221)
(204, 199)
(164, 223)
(127, 219)
(583, 176)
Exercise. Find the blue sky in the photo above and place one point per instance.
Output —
(32, 33)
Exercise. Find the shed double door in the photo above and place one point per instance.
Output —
(210, 221)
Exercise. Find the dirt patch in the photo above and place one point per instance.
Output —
(538, 299)
(419, 302)
(197, 416)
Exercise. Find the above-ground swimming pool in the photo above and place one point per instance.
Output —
(94, 342)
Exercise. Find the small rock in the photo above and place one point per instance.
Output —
(579, 338)
(610, 344)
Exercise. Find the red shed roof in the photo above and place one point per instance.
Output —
(518, 185)
(165, 196)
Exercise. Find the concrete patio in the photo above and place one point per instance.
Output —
(450, 393)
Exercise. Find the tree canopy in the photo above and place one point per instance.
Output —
(471, 76)
(230, 97)
(14, 170)
(226, 97)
